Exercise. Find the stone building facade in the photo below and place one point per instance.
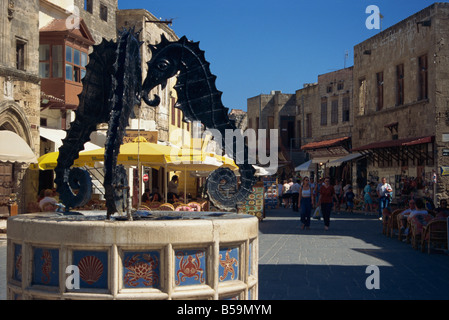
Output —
(325, 121)
(307, 101)
(276, 110)
(335, 116)
(240, 118)
(99, 15)
(19, 88)
(401, 100)
(164, 115)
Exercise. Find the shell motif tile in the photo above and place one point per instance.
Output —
(93, 268)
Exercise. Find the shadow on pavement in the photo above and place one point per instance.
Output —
(315, 264)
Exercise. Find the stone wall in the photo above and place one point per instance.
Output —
(20, 87)
(422, 34)
(308, 101)
(151, 34)
(335, 87)
(98, 27)
(275, 104)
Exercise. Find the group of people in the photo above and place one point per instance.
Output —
(307, 195)
(418, 214)
(173, 194)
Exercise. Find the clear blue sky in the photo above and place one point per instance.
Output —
(256, 46)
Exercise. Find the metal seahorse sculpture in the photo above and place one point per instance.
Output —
(111, 89)
(199, 100)
(113, 86)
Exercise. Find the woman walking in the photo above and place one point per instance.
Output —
(305, 202)
(327, 195)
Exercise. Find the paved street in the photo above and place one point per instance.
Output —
(315, 264)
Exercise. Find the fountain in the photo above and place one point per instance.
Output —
(125, 254)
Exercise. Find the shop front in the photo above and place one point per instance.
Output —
(328, 158)
(408, 165)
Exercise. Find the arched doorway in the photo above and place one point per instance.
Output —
(12, 174)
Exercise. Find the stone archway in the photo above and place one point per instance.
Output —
(13, 118)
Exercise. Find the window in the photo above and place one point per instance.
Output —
(75, 64)
(324, 111)
(329, 89)
(20, 55)
(88, 5)
(400, 85)
(341, 85)
(44, 61)
(362, 97)
(345, 109)
(103, 12)
(380, 90)
(334, 111)
(423, 78)
(173, 112)
(309, 125)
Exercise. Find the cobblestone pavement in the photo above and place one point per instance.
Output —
(314, 264)
(297, 264)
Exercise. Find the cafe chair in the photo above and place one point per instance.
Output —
(434, 234)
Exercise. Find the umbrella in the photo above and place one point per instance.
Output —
(49, 161)
(132, 153)
(14, 149)
(140, 152)
(306, 166)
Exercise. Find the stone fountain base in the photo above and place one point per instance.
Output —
(160, 256)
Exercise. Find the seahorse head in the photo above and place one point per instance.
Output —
(164, 64)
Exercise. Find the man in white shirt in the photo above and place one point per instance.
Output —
(383, 192)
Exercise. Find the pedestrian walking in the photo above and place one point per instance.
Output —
(384, 193)
(316, 190)
(305, 202)
(295, 194)
(327, 196)
(350, 196)
(338, 192)
(313, 187)
(367, 197)
(286, 193)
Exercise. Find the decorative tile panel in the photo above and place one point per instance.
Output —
(190, 267)
(46, 267)
(17, 271)
(93, 268)
(228, 268)
(141, 269)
